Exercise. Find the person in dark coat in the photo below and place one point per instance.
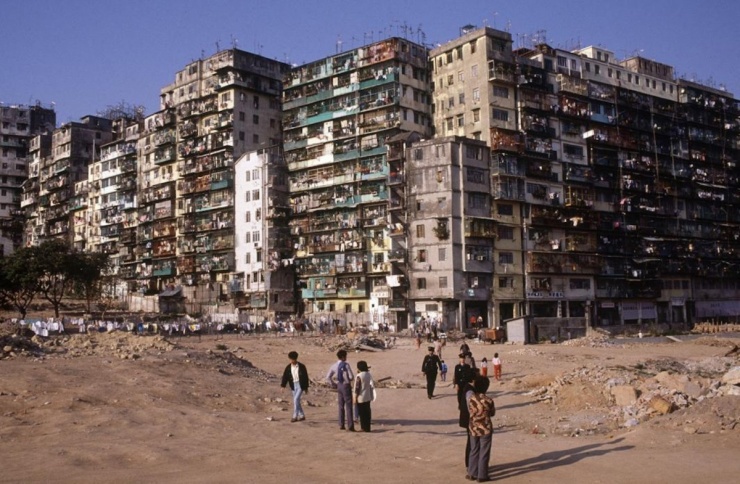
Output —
(296, 375)
(431, 366)
(462, 382)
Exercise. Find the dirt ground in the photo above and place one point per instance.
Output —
(118, 408)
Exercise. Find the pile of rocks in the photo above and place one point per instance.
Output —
(598, 341)
(636, 395)
(13, 345)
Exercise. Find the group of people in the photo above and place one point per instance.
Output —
(354, 392)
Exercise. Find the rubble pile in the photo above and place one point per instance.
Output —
(12, 345)
(630, 396)
(600, 341)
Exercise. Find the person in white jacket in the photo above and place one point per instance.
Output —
(364, 390)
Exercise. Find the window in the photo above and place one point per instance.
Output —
(420, 230)
(248, 237)
(256, 174)
(500, 115)
(460, 121)
(248, 218)
(588, 67)
(505, 233)
(421, 283)
(476, 95)
(580, 283)
(443, 282)
(442, 254)
(460, 76)
(597, 69)
(256, 237)
(247, 176)
(255, 195)
(474, 71)
(449, 124)
(475, 175)
(506, 282)
(450, 80)
(573, 151)
(248, 258)
(451, 102)
(255, 139)
(256, 102)
(241, 135)
(461, 98)
(477, 200)
(258, 215)
(505, 258)
(421, 255)
(255, 119)
(258, 255)
(248, 196)
(473, 45)
(562, 61)
(505, 209)
(473, 282)
(242, 116)
(499, 91)
(476, 115)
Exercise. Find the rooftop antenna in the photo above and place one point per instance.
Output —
(234, 41)
(218, 46)
(339, 44)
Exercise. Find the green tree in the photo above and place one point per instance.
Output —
(59, 266)
(93, 279)
(19, 279)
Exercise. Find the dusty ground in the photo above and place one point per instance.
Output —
(119, 408)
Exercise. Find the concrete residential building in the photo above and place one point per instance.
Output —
(217, 109)
(451, 231)
(614, 181)
(264, 253)
(18, 124)
(339, 114)
(53, 178)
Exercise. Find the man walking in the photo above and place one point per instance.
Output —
(296, 376)
(430, 367)
(340, 376)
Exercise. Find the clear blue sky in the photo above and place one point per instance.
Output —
(84, 55)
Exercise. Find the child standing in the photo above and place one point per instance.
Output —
(364, 394)
(443, 373)
(484, 367)
(481, 408)
(496, 366)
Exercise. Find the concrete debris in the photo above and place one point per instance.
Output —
(636, 395)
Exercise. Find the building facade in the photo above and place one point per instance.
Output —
(613, 184)
(340, 113)
(264, 285)
(18, 125)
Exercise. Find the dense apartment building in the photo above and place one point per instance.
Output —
(340, 113)
(58, 163)
(450, 230)
(18, 125)
(614, 184)
(217, 109)
(263, 249)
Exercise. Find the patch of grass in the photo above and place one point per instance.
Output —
(221, 347)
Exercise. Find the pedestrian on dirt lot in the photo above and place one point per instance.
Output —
(430, 367)
(484, 367)
(496, 361)
(340, 376)
(462, 379)
(296, 375)
(481, 409)
(364, 394)
(443, 373)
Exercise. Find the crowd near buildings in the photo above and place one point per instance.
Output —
(472, 183)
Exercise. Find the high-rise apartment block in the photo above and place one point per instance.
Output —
(613, 183)
(340, 113)
(18, 125)
(476, 182)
